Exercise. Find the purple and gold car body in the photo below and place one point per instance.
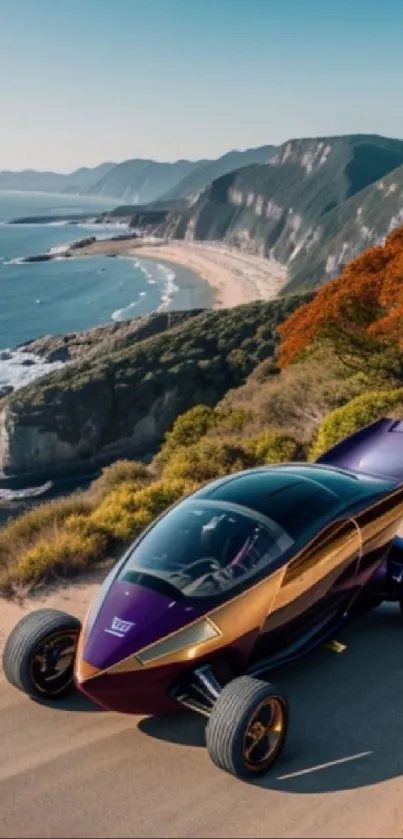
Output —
(251, 571)
(319, 546)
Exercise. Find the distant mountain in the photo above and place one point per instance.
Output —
(141, 181)
(137, 181)
(85, 177)
(32, 180)
(313, 205)
(207, 172)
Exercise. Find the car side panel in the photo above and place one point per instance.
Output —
(379, 525)
(311, 577)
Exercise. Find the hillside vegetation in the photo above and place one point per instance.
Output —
(338, 365)
(121, 397)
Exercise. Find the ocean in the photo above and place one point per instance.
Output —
(69, 295)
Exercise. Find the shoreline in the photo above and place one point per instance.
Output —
(234, 277)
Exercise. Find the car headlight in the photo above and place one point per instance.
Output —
(190, 637)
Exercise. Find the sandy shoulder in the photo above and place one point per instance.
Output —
(235, 277)
(73, 597)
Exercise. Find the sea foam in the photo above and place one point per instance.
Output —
(155, 273)
(20, 367)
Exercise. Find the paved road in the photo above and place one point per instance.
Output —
(74, 771)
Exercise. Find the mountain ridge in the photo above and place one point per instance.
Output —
(296, 207)
(31, 180)
(136, 180)
(310, 203)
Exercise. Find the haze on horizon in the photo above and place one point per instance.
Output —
(94, 81)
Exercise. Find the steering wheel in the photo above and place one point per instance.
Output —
(210, 561)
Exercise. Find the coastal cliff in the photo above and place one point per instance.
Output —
(314, 205)
(309, 205)
(123, 390)
(74, 346)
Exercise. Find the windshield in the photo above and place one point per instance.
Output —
(204, 548)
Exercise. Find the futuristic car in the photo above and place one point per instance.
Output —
(249, 572)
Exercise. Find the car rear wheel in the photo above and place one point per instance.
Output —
(247, 728)
(40, 652)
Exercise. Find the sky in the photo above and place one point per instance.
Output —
(85, 81)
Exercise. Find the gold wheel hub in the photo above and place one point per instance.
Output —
(263, 733)
(53, 662)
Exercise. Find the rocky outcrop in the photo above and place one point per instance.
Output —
(41, 439)
(75, 346)
(120, 394)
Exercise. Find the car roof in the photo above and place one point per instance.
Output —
(298, 496)
(271, 478)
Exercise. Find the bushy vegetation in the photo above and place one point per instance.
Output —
(340, 367)
(203, 355)
(360, 312)
(356, 414)
(64, 537)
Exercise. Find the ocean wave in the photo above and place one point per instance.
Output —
(157, 273)
(58, 250)
(125, 313)
(18, 260)
(154, 273)
(170, 287)
(20, 367)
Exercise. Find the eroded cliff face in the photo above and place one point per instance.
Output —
(312, 206)
(120, 397)
(30, 444)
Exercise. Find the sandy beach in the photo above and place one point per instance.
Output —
(235, 277)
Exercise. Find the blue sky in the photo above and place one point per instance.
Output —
(85, 81)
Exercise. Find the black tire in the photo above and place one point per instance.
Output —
(27, 643)
(231, 721)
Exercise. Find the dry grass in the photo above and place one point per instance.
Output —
(116, 474)
(64, 537)
(297, 400)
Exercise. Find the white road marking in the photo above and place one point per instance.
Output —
(323, 766)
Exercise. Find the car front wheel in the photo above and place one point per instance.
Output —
(40, 652)
(247, 727)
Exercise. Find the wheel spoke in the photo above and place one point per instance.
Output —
(263, 733)
(253, 743)
(53, 662)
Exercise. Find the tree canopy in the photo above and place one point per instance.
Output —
(358, 311)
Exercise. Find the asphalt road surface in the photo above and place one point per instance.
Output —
(74, 771)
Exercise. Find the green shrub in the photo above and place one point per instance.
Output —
(187, 429)
(64, 552)
(117, 473)
(276, 447)
(25, 529)
(208, 459)
(127, 510)
(354, 415)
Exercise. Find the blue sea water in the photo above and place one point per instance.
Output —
(66, 295)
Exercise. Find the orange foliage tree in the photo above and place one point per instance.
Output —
(358, 311)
